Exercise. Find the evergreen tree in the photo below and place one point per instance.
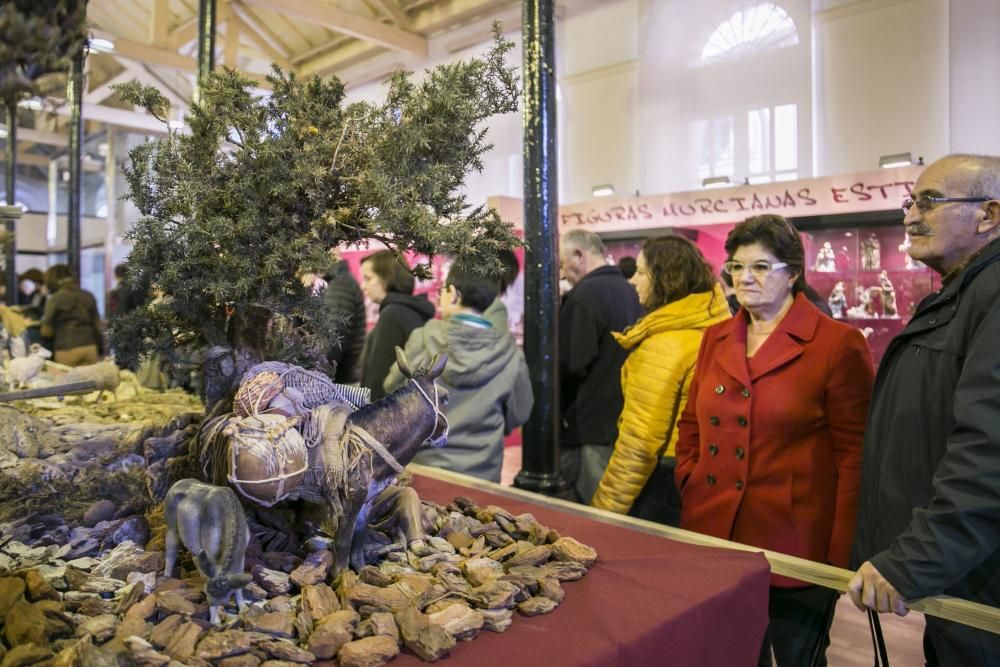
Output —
(259, 188)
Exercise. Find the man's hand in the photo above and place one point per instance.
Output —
(870, 590)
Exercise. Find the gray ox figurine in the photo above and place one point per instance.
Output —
(209, 521)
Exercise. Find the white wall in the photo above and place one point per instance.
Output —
(974, 75)
(882, 82)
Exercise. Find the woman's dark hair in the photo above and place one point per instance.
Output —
(510, 268)
(779, 238)
(392, 270)
(475, 290)
(676, 269)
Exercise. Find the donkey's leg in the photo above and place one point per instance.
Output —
(358, 538)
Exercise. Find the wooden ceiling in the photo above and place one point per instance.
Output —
(155, 42)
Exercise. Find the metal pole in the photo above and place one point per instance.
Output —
(74, 96)
(11, 224)
(206, 44)
(540, 467)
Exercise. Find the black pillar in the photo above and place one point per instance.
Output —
(206, 43)
(11, 225)
(540, 467)
(74, 96)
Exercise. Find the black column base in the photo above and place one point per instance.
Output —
(548, 484)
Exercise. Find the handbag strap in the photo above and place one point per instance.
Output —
(878, 641)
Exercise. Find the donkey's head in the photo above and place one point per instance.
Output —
(424, 379)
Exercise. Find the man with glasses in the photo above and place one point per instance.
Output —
(929, 518)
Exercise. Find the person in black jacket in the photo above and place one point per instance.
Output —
(600, 301)
(929, 515)
(387, 281)
(343, 296)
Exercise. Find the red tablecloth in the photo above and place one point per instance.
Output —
(647, 601)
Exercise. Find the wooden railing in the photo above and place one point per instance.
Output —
(942, 606)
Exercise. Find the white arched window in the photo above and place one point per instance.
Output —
(751, 29)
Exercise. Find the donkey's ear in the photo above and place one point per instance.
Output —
(206, 565)
(405, 367)
(437, 365)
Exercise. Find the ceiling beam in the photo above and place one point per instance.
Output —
(345, 22)
(144, 53)
(106, 90)
(398, 16)
(232, 43)
(261, 33)
(159, 23)
(187, 31)
(262, 42)
(434, 18)
(39, 137)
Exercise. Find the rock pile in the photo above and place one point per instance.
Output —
(479, 566)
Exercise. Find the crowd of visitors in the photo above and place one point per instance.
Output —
(727, 403)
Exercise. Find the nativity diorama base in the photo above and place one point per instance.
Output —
(83, 538)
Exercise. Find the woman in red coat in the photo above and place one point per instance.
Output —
(769, 451)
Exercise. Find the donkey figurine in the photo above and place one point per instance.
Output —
(403, 422)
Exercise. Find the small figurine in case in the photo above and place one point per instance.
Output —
(871, 253)
(826, 261)
(837, 301)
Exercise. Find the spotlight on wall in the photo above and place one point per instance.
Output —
(716, 182)
(101, 45)
(897, 160)
(603, 190)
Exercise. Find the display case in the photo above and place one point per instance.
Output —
(868, 279)
(862, 271)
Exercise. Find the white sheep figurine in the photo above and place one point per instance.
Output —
(22, 370)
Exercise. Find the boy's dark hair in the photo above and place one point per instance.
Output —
(510, 269)
(627, 266)
(475, 290)
(392, 270)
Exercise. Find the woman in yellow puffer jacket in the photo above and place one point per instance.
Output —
(682, 299)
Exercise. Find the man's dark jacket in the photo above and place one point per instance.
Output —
(343, 298)
(589, 358)
(398, 315)
(929, 517)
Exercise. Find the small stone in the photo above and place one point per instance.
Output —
(129, 596)
(86, 563)
(430, 642)
(497, 620)
(26, 654)
(144, 608)
(38, 588)
(11, 590)
(224, 644)
(460, 621)
(480, 571)
(242, 660)
(278, 624)
(551, 588)
(127, 558)
(134, 529)
(171, 602)
(24, 624)
(313, 570)
(368, 652)
(494, 595)
(331, 632)
(144, 654)
(146, 580)
(287, 651)
(102, 510)
(101, 628)
(379, 624)
(272, 581)
(165, 630)
(181, 644)
(536, 606)
(281, 603)
(570, 550)
(95, 606)
(280, 560)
